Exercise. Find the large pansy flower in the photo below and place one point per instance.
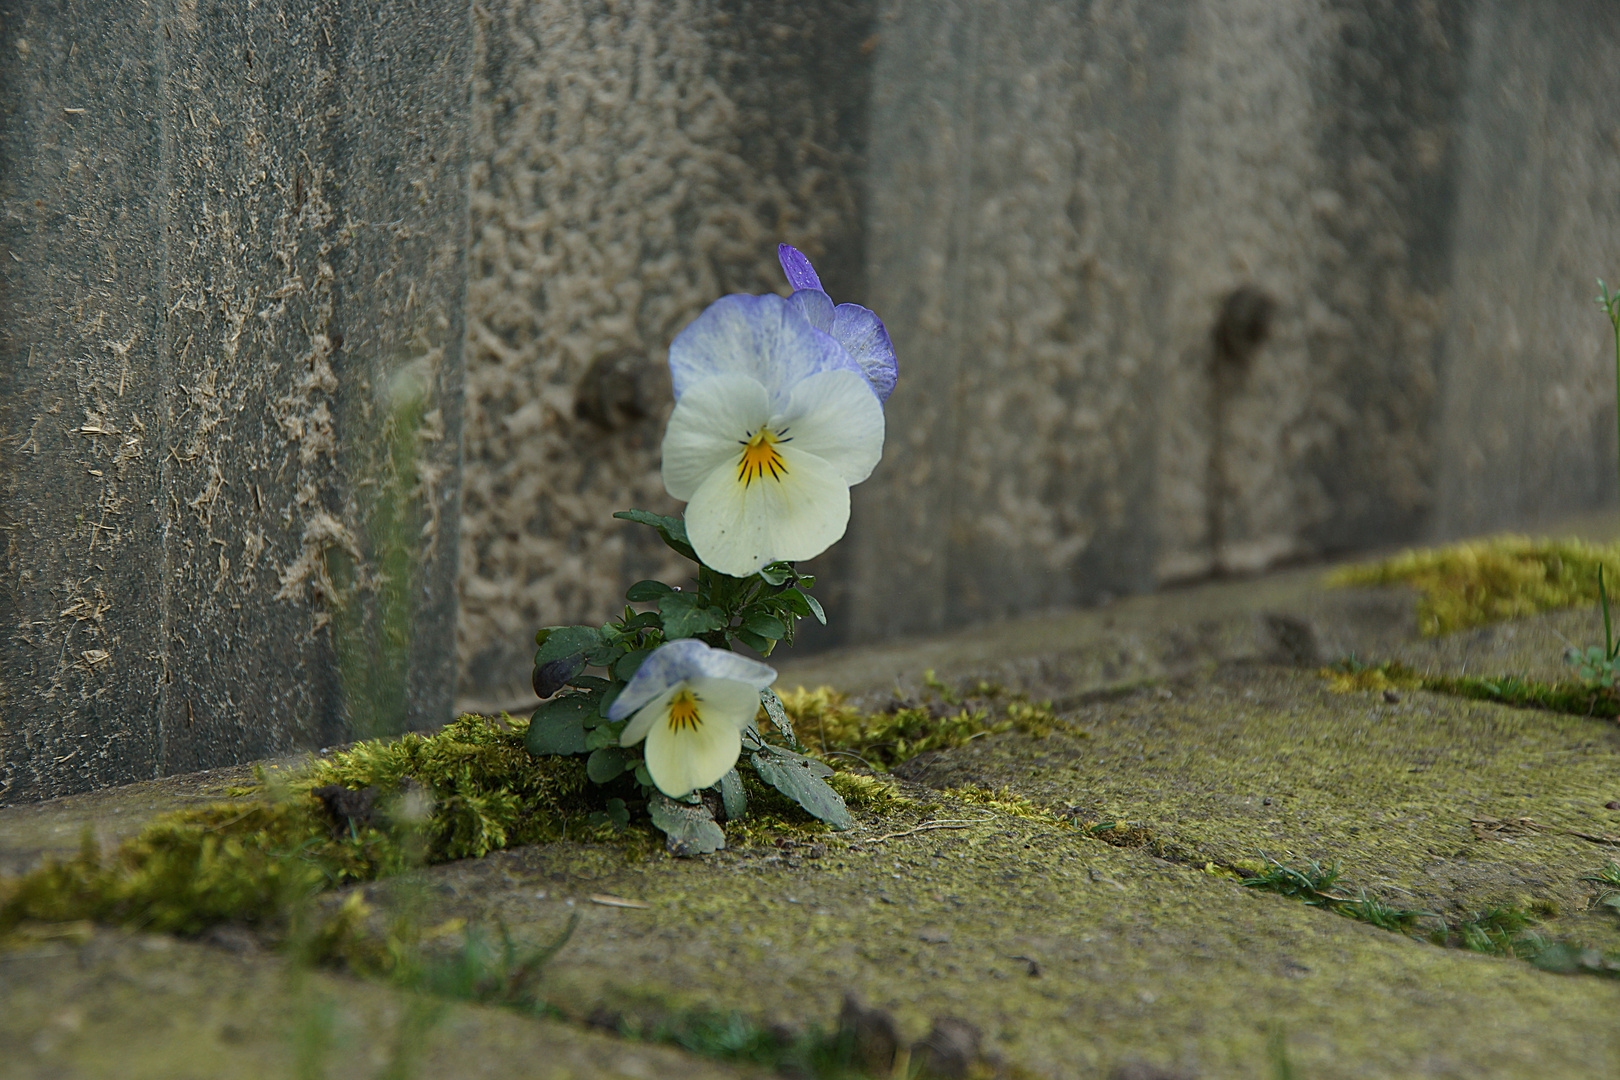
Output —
(774, 421)
(691, 704)
(857, 329)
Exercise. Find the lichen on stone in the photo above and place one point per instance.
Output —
(1487, 581)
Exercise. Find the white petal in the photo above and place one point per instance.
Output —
(737, 528)
(728, 700)
(687, 661)
(765, 337)
(835, 416)
(683, 761)
(709, 424)
(655, 710)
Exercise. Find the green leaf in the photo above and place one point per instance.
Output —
(560, 642)
(683, 617)
(603, 735)
(814, 605)
(606, 764)
(816, 766)
(627, 664)
(733, 795)
(647, 592)
(795, 780)
(618, 813)
(647, 620)
(778, 715)
(673, 530)
(643, 777)
(589, 682)
(767, 626)
(761, 645)
(777, 573)
(688, 830)
(609, 695)
(558, 726)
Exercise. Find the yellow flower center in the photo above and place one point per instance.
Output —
(683, 712)
(760, 456)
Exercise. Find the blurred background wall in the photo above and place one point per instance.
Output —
(1178, 288)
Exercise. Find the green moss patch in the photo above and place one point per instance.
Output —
(834, 729)
(1573, 698)
(1489, 581)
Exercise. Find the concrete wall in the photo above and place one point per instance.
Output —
(1527, 425)
(230, 358)
(1177, 288)
(635, 161)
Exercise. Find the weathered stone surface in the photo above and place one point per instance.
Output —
(230, 345)
(127, 1006)
(1071, 955)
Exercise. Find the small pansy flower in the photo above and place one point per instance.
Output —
(774, 421)
(857, 329)
(691, 704)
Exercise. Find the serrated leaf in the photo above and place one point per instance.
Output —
(558, 726)
(683, 618)
(688, 830)
(733, 795)
(778, 715)
(795, 780)
(561, 642)
(606, 764)
(671, 529)
(814, 605)
(647, 592)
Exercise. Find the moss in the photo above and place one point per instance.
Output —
(1574, 698)
(1488, 581)
(476, 789)
(834, 729)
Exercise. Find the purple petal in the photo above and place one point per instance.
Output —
(862, 333)
(763, 337)
(816, 307)
(800, 274)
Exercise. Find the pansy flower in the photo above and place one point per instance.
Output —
(857, 329)
(774, 421)
(691, 704)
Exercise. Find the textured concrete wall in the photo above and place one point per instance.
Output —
(634, 161)
(1177, 288)
(1017, 207)
(1528, 428)
(230, 353)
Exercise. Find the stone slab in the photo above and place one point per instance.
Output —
(137, 1007)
